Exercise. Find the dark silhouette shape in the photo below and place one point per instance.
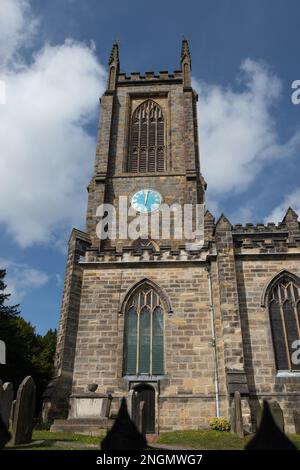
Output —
(23, 423)
(124, 434)
(4, 434)
(269, 436)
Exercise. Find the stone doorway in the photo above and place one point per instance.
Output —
(143, 408)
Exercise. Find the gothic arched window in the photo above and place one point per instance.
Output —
(147, 139)
(144, 334)
(284, 309)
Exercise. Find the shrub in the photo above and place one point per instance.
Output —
(219, 424)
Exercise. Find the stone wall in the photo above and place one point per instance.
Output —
(253, 275)
(189, 363)
(59, 388)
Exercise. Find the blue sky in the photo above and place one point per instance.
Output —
(53, 57)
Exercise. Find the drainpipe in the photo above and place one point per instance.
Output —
(213, 341)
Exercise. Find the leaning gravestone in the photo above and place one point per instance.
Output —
(24, 412)
(6, 399)
(236, 416)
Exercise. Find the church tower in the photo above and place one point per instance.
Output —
(147, 141)
(135, 317)
(156, 318)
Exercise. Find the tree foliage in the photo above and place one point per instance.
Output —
(27, 353)
(6, 311)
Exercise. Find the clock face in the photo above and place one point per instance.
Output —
(146, 200)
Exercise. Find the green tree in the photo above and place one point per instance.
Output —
(27, 353)
(6, 311)
(43, 358)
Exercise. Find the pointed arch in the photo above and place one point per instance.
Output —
(135, 287)
(144, 307)
(272, 282)
(282, 297)
(147, 139)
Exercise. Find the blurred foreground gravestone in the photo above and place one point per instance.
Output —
(24, 412)
(4, 434)
(268, 435)
(6, 399)
(124, 434)
(236, 417)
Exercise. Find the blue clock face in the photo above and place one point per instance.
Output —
(146, 200)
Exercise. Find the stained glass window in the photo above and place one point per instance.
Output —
(284, 301)
(144, 334)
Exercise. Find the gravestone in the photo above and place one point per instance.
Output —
(12, 411)
(6, 399)
(24, 412)
(232, 417)
(277, 414)
(46, 410)
(297, 421)
(269, 436)
(236, 416)
(4, 434)
(124, 434)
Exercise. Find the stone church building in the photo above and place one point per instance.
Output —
(174, 328)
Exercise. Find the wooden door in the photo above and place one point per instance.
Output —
(144, 409)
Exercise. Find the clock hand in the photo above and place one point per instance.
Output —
(146, 199)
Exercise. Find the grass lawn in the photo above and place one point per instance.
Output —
(46, 440)
(203, 439)
(214, 440)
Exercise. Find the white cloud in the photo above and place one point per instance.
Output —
(21, 279)
(238, 134)
(46, 153)
(17, 27)
(244, 213)
(292, 200)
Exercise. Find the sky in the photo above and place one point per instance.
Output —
(53, 64)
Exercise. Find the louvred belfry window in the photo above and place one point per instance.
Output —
(144, 343)
(284, 309)
(147, 139)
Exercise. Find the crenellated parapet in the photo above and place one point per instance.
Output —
(147, 255)
(257, 228)
(149, 77)
(271, 238)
